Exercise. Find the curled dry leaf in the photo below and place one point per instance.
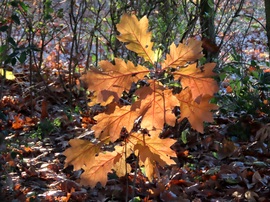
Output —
(18, 122)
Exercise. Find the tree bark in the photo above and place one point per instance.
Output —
(207, 16)
(267, 14)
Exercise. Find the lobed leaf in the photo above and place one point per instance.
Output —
(135, 33)
(121, 167)
(188, 51)
(81, 153)
(198, 80)
(155, 105)
(98, 170)
(111, 123)
(112, 80)
(152, 150)
(197, 111)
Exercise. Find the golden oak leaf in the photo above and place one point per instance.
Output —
(81, 153)
(136, 34)
(94, 100)
(112, 80)
(99, 168)
(152, 150)
(111, 122)
(197, 111)
(198, 80)
(151, 170)
(121, 167)
(159, 148)
(185, 52)
(146, 159)
(156, 104)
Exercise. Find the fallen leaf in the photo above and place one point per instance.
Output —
(264, 133)
(18, 122)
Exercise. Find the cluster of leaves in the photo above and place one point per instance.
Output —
(18, 52)
(139, 120)
(245, 88)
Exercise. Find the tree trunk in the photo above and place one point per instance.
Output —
(207, 16)
(267, 14)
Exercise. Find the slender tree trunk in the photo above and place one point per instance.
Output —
(207, 16)
(267, 14)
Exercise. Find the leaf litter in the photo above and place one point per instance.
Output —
(210, 167)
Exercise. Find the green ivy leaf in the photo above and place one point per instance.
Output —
(24, 6)
(16, 19)
(22, 57)
(12, 42)
(3, 48)
(184, 136)
(3, 28)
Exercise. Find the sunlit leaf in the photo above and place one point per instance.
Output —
(81, 153)
(112, 80)
(198, 80)
(135, 33)
(185, 52)
(198, 111)
(9, 74)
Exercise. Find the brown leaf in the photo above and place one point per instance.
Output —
(44, 109)
(112, 80)
(110, 123)
(68, 186)
(264, 133)
(98, 169)
(136, 34)
(152, 150)
(226, 149)
(198, 80)
(197, 112)
(18, 122)
(185, 52)
(209, 45)
(155, 106)
(81, 153)
(121, 167)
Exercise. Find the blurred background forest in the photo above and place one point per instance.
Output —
(45, 47)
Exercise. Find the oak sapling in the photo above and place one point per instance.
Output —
(152, 107)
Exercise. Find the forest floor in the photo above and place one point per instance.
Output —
(209, 167)
(229, 162)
